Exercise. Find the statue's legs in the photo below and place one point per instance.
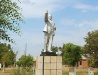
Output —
(50, 43)
(45, 42)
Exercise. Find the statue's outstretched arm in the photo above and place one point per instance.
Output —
(46, 16)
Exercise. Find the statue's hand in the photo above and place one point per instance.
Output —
(46, 11)
(46, 16)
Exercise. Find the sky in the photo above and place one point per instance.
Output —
(73, 20)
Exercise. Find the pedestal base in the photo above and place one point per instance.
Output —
(48, 54)
(49, 65)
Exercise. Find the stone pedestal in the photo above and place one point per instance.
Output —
(72, 71)
(48, 54)
(90, 71)
(49, 65)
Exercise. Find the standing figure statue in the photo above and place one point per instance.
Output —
(49, 32)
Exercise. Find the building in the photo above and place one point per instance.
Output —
(83, 62)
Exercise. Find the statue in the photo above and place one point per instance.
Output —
(49, 32)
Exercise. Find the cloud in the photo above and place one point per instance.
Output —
(89, 23)
(85, 23)
(78, 30)
(74, 31)
(68, 21)
(96, 7)
(85, 7)
(69, 37)
(36, 8)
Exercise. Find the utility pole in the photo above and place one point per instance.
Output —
(25, 49)
(25, 53)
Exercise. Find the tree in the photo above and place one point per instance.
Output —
(29, 61)
(25, 61)
(15, 55)
(92, 47)
(6, 55)
(4, 48)
(71, 54)
(11, 55)
(10, 19)
(55, 49)
(5, 59)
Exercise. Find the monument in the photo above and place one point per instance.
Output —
(49, 32)
(48, 63)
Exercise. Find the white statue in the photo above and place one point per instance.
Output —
(49, 32)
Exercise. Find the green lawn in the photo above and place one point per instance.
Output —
(16, 72)
(11, 71)
(65, 73)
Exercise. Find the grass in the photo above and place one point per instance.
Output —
(65, 73)
(16, 71)
(11, 71)
(78, 73)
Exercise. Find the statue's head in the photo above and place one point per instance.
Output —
(50, 17)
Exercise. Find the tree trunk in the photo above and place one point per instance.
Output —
(3, 67)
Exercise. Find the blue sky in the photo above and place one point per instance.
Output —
(73, 19)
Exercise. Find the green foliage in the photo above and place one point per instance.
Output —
(22, 72)
(9, 19)
(25, 61)
(6, 54)
(16, 72)
(92, 47)
(11, 56)
(91, 42)
(71, 53)
(65, 73)
(55, 49)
